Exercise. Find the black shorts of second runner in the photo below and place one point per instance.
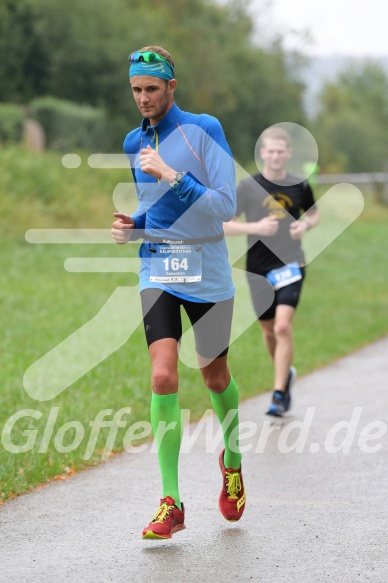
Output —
(288, 295)
(211, 321)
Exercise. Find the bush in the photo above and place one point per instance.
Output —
(69, 126)
(11, 123)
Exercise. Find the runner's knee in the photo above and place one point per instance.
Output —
(164, 380)
(269, 335)
(218, 382)
(283, 329)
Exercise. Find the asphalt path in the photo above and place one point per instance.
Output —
(316, 485)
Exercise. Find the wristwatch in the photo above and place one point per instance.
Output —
(177, 179)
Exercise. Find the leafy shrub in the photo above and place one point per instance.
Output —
(11, 123)
(69, 126)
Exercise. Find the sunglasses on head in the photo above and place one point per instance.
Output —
(148, 57)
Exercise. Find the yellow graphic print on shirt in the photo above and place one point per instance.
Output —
(277, 204)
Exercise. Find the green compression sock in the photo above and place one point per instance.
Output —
(165, 410)
(223, 403)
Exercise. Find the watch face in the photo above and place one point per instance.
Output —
(177, 179)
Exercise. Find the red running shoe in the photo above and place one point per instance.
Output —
(167, 520)
(232, 497)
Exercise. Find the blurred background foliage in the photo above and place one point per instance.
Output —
(74, 55)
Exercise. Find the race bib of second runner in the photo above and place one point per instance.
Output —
(176, 264)
(284, 275)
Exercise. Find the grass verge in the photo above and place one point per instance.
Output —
(342, 308)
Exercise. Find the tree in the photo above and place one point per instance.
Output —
(352, 123)
(78, 52)
(22, 58)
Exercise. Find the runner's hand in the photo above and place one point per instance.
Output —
(152, 163)
(298, 229)
(122, 228)
(267, 227)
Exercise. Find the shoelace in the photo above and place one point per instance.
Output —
(233, 484)
(162, 512)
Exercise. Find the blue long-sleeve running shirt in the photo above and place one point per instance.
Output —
(194, 209)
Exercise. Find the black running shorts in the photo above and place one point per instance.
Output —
(288, 295)
(211, 321)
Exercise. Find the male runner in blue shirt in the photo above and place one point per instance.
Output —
(184, 175)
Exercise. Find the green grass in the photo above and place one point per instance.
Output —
(343, 307)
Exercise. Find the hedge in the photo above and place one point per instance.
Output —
(11, 123)
(70, 126)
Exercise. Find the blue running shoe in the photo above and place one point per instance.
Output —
(281, 400)
(277, 407)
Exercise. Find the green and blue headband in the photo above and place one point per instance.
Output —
(149, 63)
